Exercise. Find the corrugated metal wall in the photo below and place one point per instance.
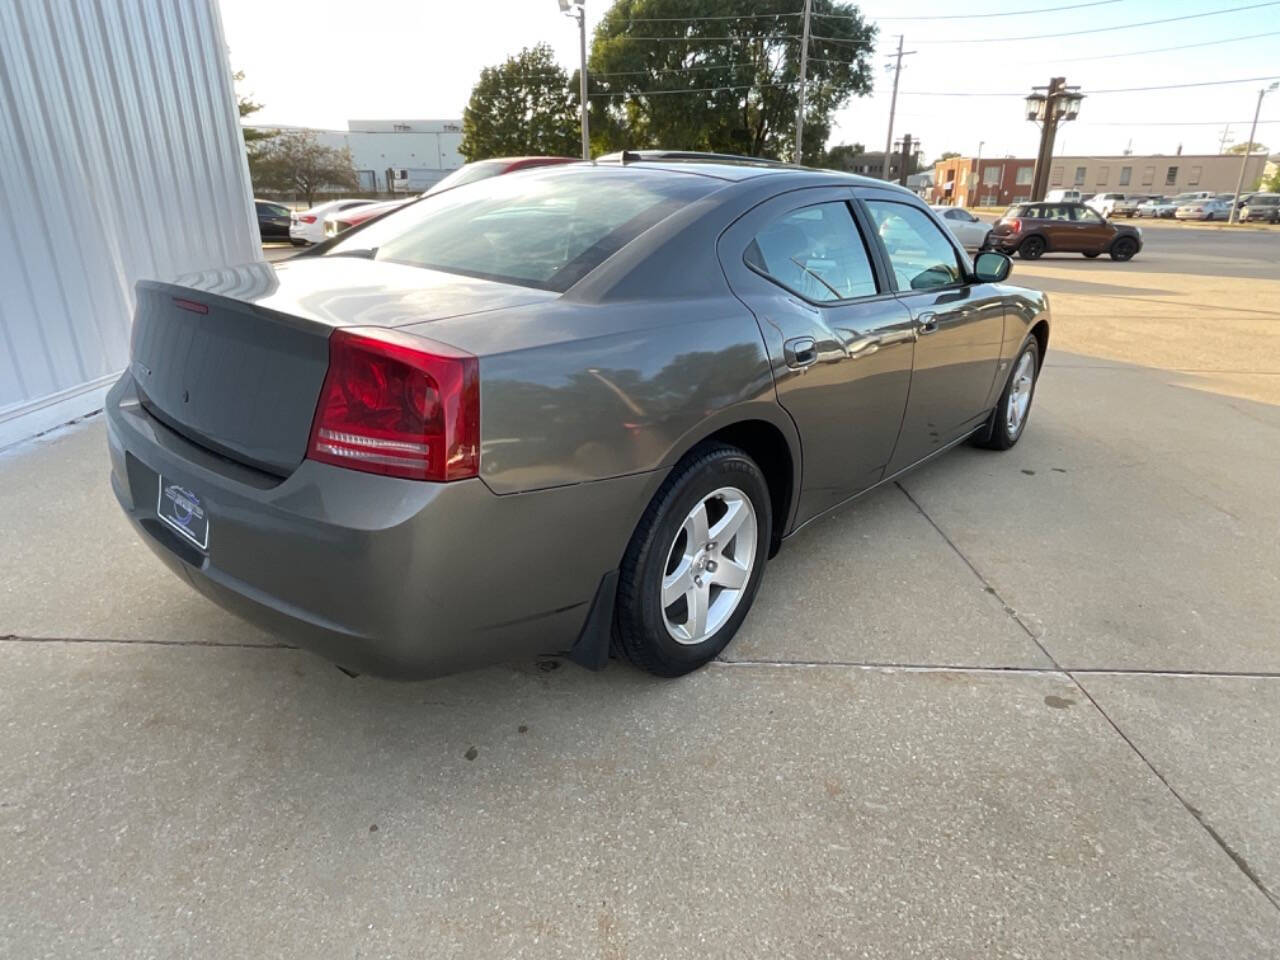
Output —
(121, 157)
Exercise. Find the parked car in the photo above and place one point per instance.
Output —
(1034, 229)
(577, 408)
(336, 223)
(969, 230)
(307, 226)
(1211, 209)
(495, 167)
(1104, 203)
(273, 220)
(1063, 196)
(468, 173)
(1262, 206)
(1157, 207)
(1128, 206)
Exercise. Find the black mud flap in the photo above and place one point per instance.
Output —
(591, 649)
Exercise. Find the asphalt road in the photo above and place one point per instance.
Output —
(1015, 705)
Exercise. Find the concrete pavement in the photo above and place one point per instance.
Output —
(1017, 704)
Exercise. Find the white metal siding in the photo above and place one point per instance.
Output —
(121, 157)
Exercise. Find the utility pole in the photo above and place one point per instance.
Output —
(577, 10)
(804, 70)
(1226, 133)
(1248, 149)
(1057, 104)
(893, 104)
(975, 179)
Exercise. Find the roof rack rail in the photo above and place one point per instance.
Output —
(692, 156)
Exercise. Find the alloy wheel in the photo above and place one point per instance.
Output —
(709, 565)
(1024, 379)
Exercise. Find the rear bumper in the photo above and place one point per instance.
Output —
(392, 577)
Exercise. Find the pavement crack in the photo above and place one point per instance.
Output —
(17, 638)
(1241, 863)
(986, 584)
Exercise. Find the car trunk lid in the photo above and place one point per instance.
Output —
(234, 359)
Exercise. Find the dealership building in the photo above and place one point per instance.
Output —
(428, 146)
(997, 181)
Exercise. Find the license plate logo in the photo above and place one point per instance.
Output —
(182, 510)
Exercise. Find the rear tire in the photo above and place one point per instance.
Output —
(1009, 418)
(1124, 249)
(1031, 248)
(701, 545)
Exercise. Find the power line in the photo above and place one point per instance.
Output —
(1180, 86)
(1118, 26)
(697, 39)
(660, 93)
(976, 16)
(740, 16)
(1089, 93)
(1167, 123)
(1139, 53)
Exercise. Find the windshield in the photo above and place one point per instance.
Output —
(541, 229)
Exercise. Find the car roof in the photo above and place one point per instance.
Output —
(738, 168)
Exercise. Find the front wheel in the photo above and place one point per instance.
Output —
(1092, 255)
(694, 563)
(1031, 248)
(1009, 418)
(1124, 249)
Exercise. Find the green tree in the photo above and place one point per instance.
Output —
(1252, 146)
(295, 162)
(523, 106)
(946, 155)
(1271, 184)
(843, 156)
(742, 69)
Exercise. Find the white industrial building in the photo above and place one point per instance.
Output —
(121, 157)
(380, 145)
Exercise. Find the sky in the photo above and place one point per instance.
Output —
(321, 62)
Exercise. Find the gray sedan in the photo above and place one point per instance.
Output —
(572, 411)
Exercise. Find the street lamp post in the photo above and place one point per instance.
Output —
(1248, 149)
(577, 10)
(1049, 106)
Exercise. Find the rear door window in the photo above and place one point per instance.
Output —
(920, 254)
(816, 252)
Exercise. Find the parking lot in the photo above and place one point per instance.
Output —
(1022, 704)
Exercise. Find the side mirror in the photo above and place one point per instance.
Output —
(992, 267)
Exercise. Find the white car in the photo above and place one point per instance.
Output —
(1210, 209)
(968, 229)
(307, 226)
(1103, 204)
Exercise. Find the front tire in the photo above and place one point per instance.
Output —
(1092, 254)
(1031, 248)
(1124, 249)
(694, 563)
(1009, 418)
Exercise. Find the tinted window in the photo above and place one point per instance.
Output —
(815, 251)
(544, 229)
(1085, 214)
(920, 254)
(1057, 211)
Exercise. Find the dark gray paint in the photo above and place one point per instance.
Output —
(587, 399)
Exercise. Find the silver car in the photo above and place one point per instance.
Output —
(571, 411)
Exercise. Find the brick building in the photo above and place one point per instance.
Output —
(1007, 180)
(1003, 180)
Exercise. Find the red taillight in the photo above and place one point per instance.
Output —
(397, 404)
(306, 218)
(1014, 225)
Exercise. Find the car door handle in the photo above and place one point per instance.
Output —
(800, 352)
(926, 322)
